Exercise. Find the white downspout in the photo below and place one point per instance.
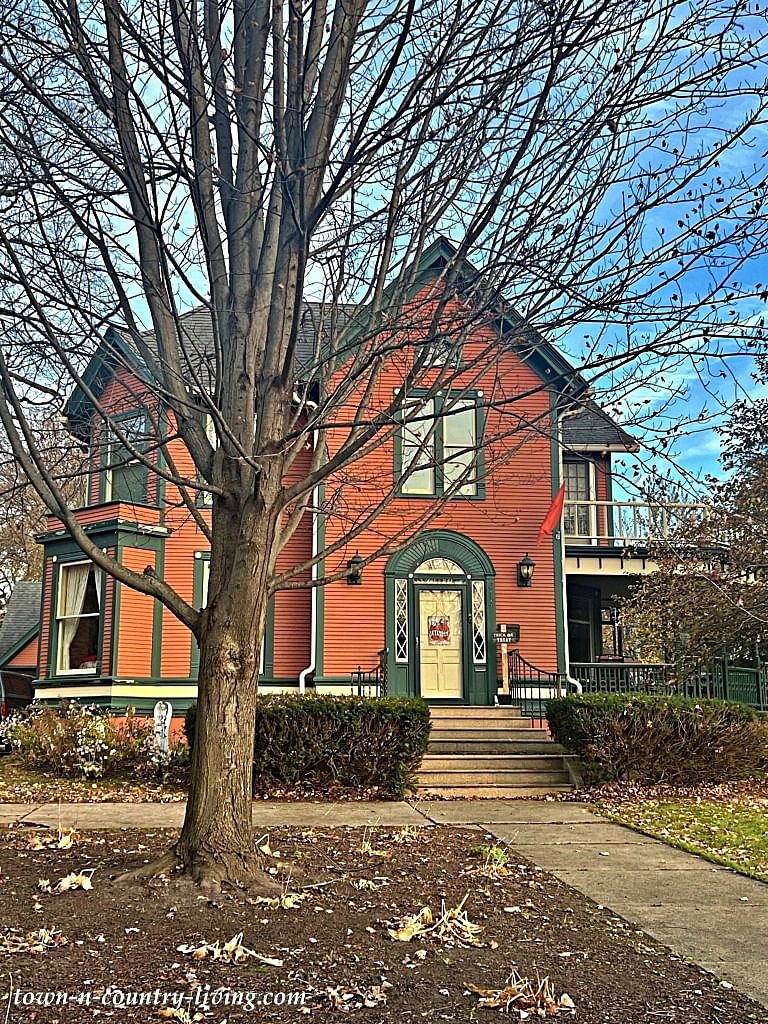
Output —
(570, 681)
(305, 672)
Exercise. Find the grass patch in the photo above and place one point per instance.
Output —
(726, 829)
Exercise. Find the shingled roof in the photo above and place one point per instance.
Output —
(22, 614)
(591, 429)
(198, 339)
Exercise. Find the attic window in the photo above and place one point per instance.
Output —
(126, 477)
(441, 351)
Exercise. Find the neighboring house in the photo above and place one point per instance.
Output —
(19, 637)
(428, 612)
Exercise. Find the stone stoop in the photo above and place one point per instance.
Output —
(490, 752)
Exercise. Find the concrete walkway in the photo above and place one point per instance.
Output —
(714, 916)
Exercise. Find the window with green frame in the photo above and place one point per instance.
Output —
(124, 477)
(437, 444)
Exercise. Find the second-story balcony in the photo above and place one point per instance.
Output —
(625, 536)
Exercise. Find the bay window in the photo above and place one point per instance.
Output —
(77, 618)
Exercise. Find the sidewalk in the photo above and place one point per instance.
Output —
(712, 915)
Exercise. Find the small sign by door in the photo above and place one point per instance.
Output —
(439, 630)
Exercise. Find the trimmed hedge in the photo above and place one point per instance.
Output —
(356, 742)
(653, 738)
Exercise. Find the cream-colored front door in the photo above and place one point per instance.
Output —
(440, 643)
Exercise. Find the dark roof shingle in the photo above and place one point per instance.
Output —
(591, 428)
(21, 614)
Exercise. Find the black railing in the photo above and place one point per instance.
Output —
(623, 677)
(371, 682)
(530, 688)
(718, 680)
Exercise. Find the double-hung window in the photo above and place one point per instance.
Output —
(437, 447)
(125, 475)
(578, 516)
(77, 618)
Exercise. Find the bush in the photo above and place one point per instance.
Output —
(356, 742)
(651, 738)
(74, 739)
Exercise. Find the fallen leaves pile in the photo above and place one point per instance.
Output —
(75, 880)
(231, 952)
(521, 997)
(356, 998)
(452, 927)
(285, 901)
(13, 940)
(62, 839)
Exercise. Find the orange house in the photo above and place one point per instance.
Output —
(424, 613)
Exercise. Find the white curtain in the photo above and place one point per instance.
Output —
(75, 583)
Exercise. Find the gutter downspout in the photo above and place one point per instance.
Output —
(569, 680)
(305, 672)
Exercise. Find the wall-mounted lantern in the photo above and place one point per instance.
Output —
(355, 570)
(525, 568)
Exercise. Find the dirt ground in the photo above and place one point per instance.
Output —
(325, 950)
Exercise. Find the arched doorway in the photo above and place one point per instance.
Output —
(440, 611)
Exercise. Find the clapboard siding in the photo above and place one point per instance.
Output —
(134, 635)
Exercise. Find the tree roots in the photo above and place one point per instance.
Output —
(210, 870)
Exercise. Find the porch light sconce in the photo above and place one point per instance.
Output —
(525, 569)
(355, 570)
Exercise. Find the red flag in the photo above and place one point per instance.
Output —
(552, 518)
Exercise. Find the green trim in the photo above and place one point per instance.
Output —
(439, 400)
(269, 626)
(157, 616)
(107, 446)
(20, 644)
(443, 544)
(111, 354)
(557, 547)
(160, 482)
(61, 539)
(197, 601)
(76, 555)
(145, 543)
(480, 679)
(116, 601)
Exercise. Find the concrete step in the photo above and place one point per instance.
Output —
(493, 714)
(485, 747)
(470, 732)
(513, 779)
(491, 792)
(491, 763)
(484, 724)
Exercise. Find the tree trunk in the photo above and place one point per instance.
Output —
(216, 841)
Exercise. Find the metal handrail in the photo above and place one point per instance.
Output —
(530, 687)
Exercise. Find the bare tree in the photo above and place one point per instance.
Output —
(23, 512)
(157, 156)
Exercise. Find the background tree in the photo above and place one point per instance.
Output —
(158, 155)
(710, 596)
(22, 510)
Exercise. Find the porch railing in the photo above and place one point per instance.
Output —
(629, 523)
(718, 680)
(371, 682)
(530, 687)
(623, 677)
